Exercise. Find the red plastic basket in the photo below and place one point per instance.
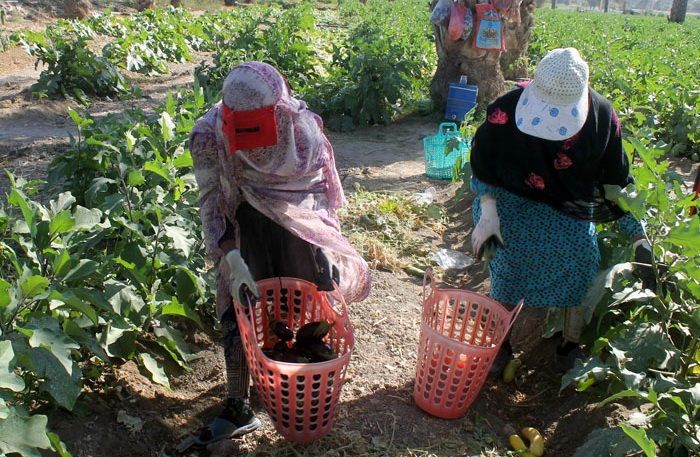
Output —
(461, 333)
(299, 397)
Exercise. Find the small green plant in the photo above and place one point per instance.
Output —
(72, 70)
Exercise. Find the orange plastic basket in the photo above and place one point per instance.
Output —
(461, 333)
(299, 397)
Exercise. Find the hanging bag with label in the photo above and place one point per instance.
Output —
(489, 29)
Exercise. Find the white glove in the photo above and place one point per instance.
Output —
(239, 276)
(489, 225)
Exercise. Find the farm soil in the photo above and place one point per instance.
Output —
(127, 415)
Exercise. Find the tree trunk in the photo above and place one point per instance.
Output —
(606, 5)
(142, 5)
(483, 68)
(76, 9)
(554, 4)
(678, 10)
(514, 61)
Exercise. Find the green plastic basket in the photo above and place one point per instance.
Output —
(438, 164)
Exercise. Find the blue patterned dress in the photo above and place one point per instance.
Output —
(549, 258)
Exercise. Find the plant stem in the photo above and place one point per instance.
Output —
(690, 358)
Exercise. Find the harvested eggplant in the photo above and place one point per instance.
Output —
(313, 332)
(281, 330)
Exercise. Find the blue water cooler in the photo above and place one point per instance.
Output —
(461, 98)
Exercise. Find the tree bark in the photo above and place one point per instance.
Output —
(483, 68)
(514, 61)
(606, 5)
(678, 10)
(76, 9)
(554, 4)
(142, 5)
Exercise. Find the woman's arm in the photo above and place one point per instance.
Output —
(203, 147)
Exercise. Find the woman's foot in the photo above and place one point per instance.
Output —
(566, 355)
(237, 419)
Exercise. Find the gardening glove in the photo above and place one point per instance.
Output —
(241, 282)
(489, 226)
(644, 259)
(327, 273)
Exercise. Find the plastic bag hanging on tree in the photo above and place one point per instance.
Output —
(440, 12)
(468, 25)
(456, 27)
(489, 29)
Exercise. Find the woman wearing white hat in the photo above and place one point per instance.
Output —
(540, 162)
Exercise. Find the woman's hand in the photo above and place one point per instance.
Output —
(240, 279)
(489, 225)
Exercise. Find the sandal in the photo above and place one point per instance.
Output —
(236, 420)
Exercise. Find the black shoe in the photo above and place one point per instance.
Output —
(237, 419)
(505, 353)
(566, 355)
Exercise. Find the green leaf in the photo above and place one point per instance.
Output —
(84, 269)
(647, 346)
(136, 178)
(639, 436)
(154, 167)
(76, 304)
(685, 235)
(57, 343)
(130, 141)
(171, 340)
(186, 286)
(182, 239)
(8, 378)
(157, 373)
(586, 372)
(61, 263)
(184, 160)
(64, 387)
(5, 295)
(17, 198)
(175, 308)
(610, 442)
(33, 285)
(57, 445)
(61, 223)
(123, 298)
(64, 201)
(86, 219)
(118, 340)
(618, 395)
(167, 126)
(23, 435)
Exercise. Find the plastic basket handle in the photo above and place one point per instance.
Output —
(442, 129)
(428, 278)
(514, 315)
(339, 298)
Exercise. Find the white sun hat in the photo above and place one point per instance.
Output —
(554, 106)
